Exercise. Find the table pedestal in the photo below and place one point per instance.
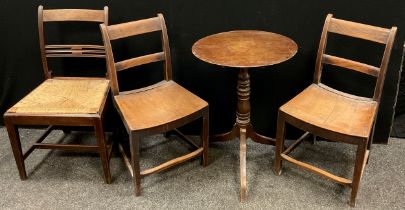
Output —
(243, 128)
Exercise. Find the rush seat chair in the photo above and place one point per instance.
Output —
(63, 101)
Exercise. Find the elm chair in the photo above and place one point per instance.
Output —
(159, 108)
(63, 101)
(338, 116)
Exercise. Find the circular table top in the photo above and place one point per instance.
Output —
(245, 48)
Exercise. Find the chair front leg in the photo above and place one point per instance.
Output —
(16, 147)
(358, 171)
(280, 137)
(102, 150)
(134, 147)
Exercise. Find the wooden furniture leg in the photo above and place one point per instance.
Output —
(134, 147)
(204, 139)
(370, 141)
(243, 182)
(16, 147)
(250, 133)
(102, 149)
(228, 136)
(279, 144)
(361, 156)
(254, 136)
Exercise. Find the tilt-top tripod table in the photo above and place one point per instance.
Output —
(244, 49)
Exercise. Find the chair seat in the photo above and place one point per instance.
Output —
(64, 96)
(166, 102)
(333, 110)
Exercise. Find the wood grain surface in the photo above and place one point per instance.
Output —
(245, 48)
(158, 106)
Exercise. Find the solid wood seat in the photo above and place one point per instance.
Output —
(331, 110)
(64, 96)
(162, 104)
(338, 116)
(63, 101)
(158, 108)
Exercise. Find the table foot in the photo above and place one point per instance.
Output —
(231, 135)
(243, 132)
(251, 133)
(243, 183)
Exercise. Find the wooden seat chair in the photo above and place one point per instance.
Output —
(63, 101)
(159, 108)
(326, 112)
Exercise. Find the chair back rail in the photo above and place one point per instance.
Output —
(129, 63)
(361, 31)
(350, 64)
(358, 30)
(134, 28)
(74, 15)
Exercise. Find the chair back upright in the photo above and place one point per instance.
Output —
(129, 29)
(357, 30)
(69, 50)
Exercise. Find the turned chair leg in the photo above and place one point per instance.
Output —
(204, 139)
(358, 171)
(280, 137)
(134, 145)
(15, 142)
(102, 150)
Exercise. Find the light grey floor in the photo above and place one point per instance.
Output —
(64, 180)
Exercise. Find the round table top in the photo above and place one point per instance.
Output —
(245, 48)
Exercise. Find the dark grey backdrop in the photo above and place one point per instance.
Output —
(188, 21)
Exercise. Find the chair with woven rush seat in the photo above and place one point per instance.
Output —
(334, 115)
(63, 101)
(158, 108)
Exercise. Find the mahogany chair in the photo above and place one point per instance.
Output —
(332, 114)
(63, 101)
(159, 108)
